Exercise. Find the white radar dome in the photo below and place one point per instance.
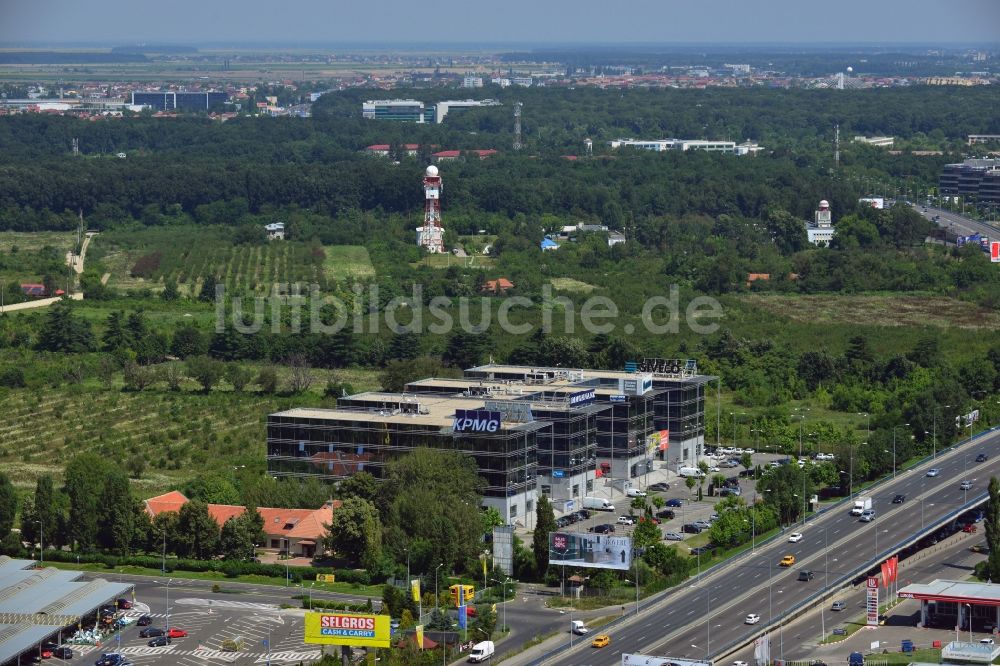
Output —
(824, 204)
(431, 170)
(850, 69)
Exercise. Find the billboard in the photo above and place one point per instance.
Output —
(644, 660)
(476, 420)
(995, 251)
(640, 385)
(595, 551)
(657, 441)
(667, 366)
(354, 629)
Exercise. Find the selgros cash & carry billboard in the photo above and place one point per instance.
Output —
(355, 629)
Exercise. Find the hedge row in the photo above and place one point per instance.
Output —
(229, 568)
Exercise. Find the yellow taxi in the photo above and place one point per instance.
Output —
(787, 561)
(601, 641)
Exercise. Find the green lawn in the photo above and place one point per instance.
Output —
(569, 284)
(347, 261)
(35, 240)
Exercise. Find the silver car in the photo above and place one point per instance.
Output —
(673, 536)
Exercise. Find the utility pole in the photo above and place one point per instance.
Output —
(836, 142)
(517, 125)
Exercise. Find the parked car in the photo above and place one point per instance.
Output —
(965, 485)
(174, 632)
(604, 528)
(123, 603)
(674, 503)
(806, 575)
(583, 514)
(654, 520)
(707, 549)
(58, 651)
(787, 561)
(899, 499)
(933, 471)
(727, 491)
(666, 514)
(626, 520)
(703, 524)
(673, 536)
(838, 606)
(660, 487)
(982, 457)
(144, 621)
(752, 618)
(159, 641)
(690, 528)
(150, 632)
(112, 659)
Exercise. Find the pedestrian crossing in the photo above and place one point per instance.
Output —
(227, 604)
(202, 653)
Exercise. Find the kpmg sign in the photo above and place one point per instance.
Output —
(581, 398)
(476, 420)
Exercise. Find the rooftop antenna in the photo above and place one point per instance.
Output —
(517, 125)
(836, 145)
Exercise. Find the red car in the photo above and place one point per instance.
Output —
(174, 632)
(970, 528)
(654, 520)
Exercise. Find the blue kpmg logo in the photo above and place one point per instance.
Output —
(581, 398)
(476, 420)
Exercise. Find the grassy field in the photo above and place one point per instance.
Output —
(878, 310)
(347, 261)
(448, 259)
(63, 240)
(569, 284)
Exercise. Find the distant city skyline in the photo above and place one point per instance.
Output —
(447, 22)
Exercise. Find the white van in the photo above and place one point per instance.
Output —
(635, 492)
(481, 652)
(691, 471)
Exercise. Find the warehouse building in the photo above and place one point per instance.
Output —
(179, 101)
(46, 604)
(530, 430)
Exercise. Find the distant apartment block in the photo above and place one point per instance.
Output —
(414, 111)
(472, 82)
(179, 101)
(984, 138)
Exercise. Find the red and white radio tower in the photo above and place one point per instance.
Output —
(431, 235)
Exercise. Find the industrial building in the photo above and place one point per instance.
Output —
(46, 604)
(415, 111)
(530, 430)
(974, 178)
(663, 145)
(179, 101)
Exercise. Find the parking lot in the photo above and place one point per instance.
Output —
(209, 620)
(667, 484)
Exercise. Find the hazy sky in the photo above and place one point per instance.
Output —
(116, 22)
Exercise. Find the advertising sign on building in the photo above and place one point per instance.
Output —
(639, 385)
(596, 551)
(581, 398)
(668, 366)
(357, 630)
(871, 604)
(618, 398)
(476, 420)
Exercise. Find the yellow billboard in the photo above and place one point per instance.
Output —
(326, 578)
(355, 629)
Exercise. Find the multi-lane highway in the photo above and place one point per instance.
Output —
(706, 617)
(958, 224)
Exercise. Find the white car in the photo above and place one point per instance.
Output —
(966, 485)
(795, 537)
(626, 520)
(934, 471)
(752, 618)
(824, 456)
(749, 452)
(740, 663)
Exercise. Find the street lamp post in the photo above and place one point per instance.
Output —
(166, 628)
(436, 601)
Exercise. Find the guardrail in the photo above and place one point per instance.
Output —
(837, 584)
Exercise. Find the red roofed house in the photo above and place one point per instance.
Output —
(499, 286)
(296, 531)
(484, 153)
(38, 290)
(446, 155)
